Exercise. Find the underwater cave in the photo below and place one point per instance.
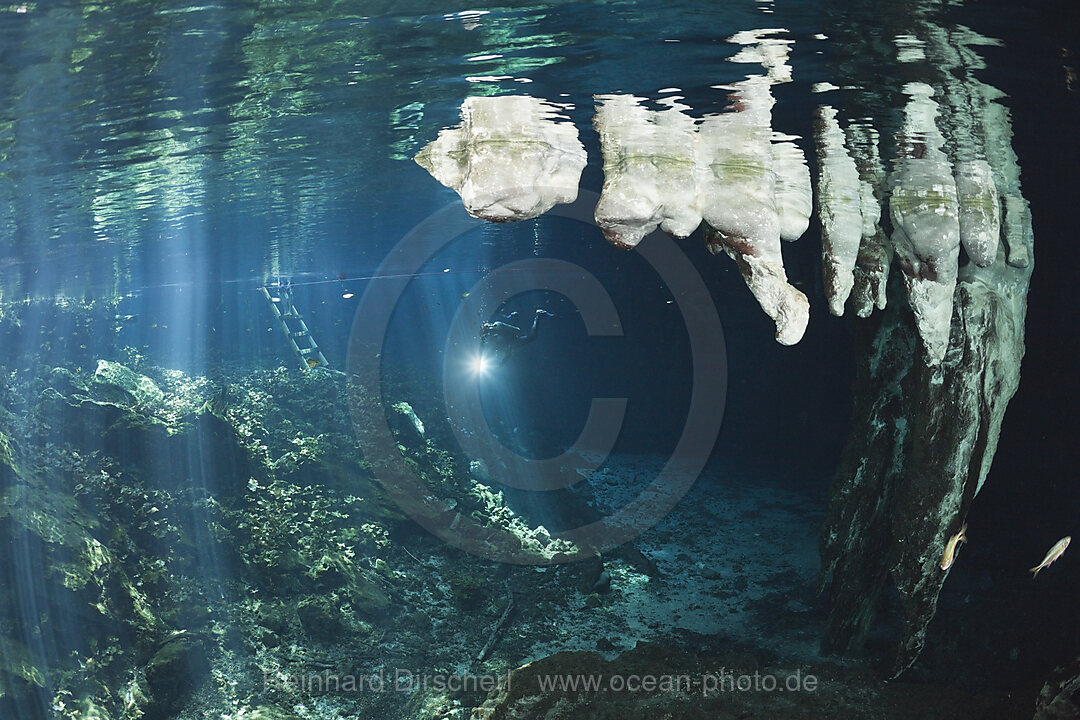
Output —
(537, 361)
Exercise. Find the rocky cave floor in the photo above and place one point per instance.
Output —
(233, 584)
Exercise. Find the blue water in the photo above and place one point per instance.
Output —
(182, 159)
(175, 158)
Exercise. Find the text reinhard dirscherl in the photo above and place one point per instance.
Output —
(400, 680)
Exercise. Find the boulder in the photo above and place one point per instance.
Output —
(115, 383)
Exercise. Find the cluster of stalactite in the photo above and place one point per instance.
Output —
(935, 373)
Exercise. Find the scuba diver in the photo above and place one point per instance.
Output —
(499, 339)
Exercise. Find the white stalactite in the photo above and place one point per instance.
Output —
(794, 196)
(925, 218)
(740, 209)
(510, 159)
(650, 170)
(875, 250)
(663, 169)
(980, 210)
(839, 209)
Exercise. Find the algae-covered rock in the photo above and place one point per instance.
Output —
(321, 618)
(113, 382)
(470, 591)
(260, 475)
(7, 461)
(173, 672)
(276, 618)
(66, 382)
(369, 599)
(267, 712)
(1059, 698)
(18, 671)
(406, 425)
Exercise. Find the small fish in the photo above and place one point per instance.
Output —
(949, 556)
(312, 363)
(1054, 553)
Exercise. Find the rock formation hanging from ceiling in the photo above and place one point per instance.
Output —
(933, 384)
(512, 157)
(871, 272)
(925, 216)
(840, 209)
(939, 361)
(748, 185)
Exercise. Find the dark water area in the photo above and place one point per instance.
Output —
(160, 165)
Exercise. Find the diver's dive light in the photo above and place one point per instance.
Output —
(480, 365)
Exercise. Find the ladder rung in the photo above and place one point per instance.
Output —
(283, 308)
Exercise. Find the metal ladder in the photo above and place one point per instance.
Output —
(296, 330)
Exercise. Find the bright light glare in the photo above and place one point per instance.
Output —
(480, 365)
